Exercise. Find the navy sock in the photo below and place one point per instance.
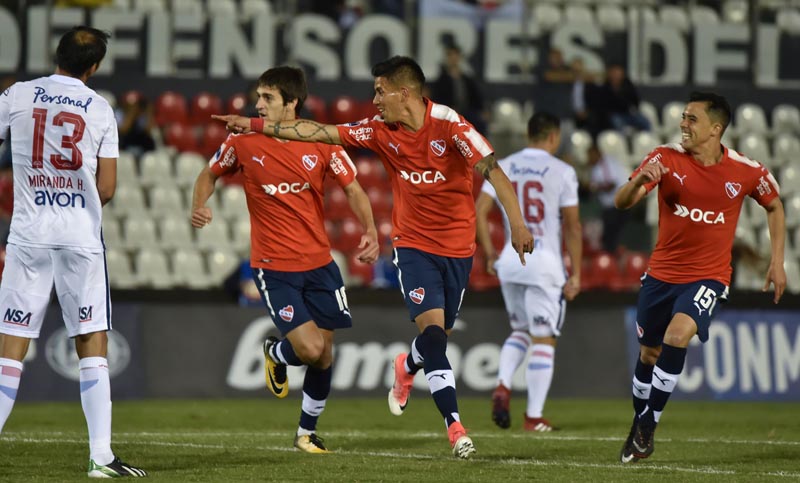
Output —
(665, 377)
(642, 378)
(433, 345)
(316, 388)
(284, 352)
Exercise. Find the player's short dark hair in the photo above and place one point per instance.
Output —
(541, 124)
(400, 70)
(717, 107)
(81, 48)
(291, 81)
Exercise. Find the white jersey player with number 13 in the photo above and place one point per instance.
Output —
(64, 148)
(535, 294)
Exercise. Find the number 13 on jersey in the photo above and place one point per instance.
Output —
(69, 142)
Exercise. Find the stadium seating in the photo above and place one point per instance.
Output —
(600, 272)
(108, 96)
(650, 112)
(643, 143)
(127, 200)
(221, 263)
(181, 137)
(791, 207)
(579, 14)
(119, 269)
(344, 109)
(702, 16)
(349, 236)
(126, 169)
(675, 16)
(240, 240)
(175, 231)
(204, 104)
(187, 167)
(222, 7)
(671, 115)
(580, 141)
(140, 232)
(152, 269)
(611, 18)
(336, 206)
(788, 19)
(615, 145)
(112, 234)
(165, 201)
(189, 269)
(253, 8)
(547, 16)
(361, 274)
(316, 108)
(156, 6)
(155, 168)
(789, 177)
(785, 120)
(750, 119)
(784, 149)
(237, 103)
(213, 236)
(634, 266)
(755, 147)
(507, 116)
(381, 201)
(735, 11)
(214, 135)
(792, 267)
(170, 107)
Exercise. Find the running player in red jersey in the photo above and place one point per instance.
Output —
(702, 185)
(290, 252)
(429, 151)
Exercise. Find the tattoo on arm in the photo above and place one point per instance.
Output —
(486, 165)
(318, 130)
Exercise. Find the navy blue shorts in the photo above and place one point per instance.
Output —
(660, 301)
(432, 282)
(294, 298)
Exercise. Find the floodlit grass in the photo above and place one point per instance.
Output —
(251, 440)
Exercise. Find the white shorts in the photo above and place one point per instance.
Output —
(537, 310)
(81, 284)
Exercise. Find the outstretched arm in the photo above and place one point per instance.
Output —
(521, 238)
(203, 189)
(776, 222)
(359, 203)
(483, 205)
(295, 130)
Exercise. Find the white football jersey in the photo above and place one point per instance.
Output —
(544, 184)
(58, 128)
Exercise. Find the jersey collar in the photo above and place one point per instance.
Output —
(65, 79)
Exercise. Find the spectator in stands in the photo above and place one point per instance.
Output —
(553, 92)
(136, 123)
(620, 101)
(586, 98)
(606, 177)
(457, 89)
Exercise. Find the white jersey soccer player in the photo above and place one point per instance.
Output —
(64, 148)
(535, 294)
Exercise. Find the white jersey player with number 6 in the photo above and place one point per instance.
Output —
(64, 148)
(535, 294)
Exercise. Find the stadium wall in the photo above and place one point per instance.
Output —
(179, 350)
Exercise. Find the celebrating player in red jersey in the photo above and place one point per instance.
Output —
(429, 151)
(702, 185)
(290, 253)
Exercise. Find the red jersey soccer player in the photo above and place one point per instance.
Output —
(701, 188)
(290, 253)
(429, 151)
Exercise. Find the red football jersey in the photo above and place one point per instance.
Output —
(431, 175)
(283, 183)
(698, 208)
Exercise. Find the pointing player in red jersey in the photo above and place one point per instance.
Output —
(290, 252)
(701, 187)
(429, 151)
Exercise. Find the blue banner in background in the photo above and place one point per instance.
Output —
(750, 355)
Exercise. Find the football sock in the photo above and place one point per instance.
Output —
(316, 388)
(511, 355)
(96, 403)
(414, 361)
(642, 377)
(665, 376)
(10, 374)
(283, 352)
(433, 346)
(539, 375)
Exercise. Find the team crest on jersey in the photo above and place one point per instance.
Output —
(417, 295)
(287, 313)
(732, 189)
(438, 146)
(639, 331)
(310, 161)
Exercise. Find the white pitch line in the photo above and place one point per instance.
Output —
(423, 434)
(387, 454)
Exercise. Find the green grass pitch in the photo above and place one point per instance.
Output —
(251, 440)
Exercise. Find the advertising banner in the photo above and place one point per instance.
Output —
(750, 355)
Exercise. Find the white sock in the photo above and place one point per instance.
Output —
(96, 403)
(539, 375)
(511, 355)
(10, 374)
